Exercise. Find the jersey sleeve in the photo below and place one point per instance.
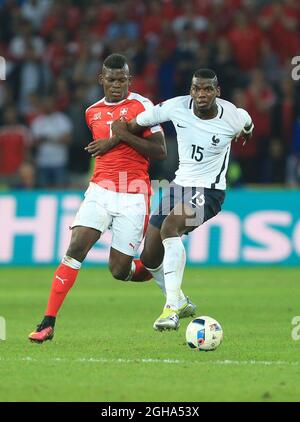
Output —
(245, 120)
(148, 107)
(155, 115)
(150, 130)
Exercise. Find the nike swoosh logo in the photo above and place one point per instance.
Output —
(183, 127)
(169, 272)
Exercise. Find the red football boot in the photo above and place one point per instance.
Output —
(42, 335)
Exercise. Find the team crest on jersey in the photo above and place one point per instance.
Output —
(97, 116)
(215, 141)
(123, 111)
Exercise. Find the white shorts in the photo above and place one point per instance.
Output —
(125, 214)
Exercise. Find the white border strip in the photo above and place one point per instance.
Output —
(144, 360)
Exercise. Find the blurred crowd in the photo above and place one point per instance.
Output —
(54, 50)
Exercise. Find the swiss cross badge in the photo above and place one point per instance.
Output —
(123, 111)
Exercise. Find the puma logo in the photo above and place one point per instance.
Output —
(62, 280)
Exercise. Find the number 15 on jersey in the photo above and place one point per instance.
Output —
(197, 153)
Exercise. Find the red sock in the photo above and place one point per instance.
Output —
(63, 280)
(141, 273)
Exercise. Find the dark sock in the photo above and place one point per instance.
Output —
(48, 321)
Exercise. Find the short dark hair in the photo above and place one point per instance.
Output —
(206, 74)
(115, 61)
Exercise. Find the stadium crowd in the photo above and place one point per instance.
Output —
(54, 50)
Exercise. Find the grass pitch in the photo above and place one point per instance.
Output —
(106, 350)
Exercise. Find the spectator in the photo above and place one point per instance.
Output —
(57, 46)
(34, 11)
(284, 112)
(280, 22)
(122, 26)
(26, 176)
(225, 66)
(52, 134)
(189, 18)
(79, 161)
(275, 161)
(245, 38)
(293, 163)
(260, 99)
(32, 109)
(23, 40)
(246, 158)
(15, 142)
(33, 76)
(269, 62)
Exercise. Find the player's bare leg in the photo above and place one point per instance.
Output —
(153, 253)
(82, 240)
(152, 257)
(124, 267)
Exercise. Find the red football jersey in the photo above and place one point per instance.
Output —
(14, 142)
(121, 169)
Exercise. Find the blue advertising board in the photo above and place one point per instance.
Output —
(254, 228)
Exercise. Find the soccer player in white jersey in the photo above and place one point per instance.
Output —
(205, 126)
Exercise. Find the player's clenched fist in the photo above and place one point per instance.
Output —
(118, 127)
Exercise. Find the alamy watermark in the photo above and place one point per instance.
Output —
(296, 69)
(2, 68)
(180, 200)
(2, 328)
(296, 330)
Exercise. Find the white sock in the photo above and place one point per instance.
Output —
(71, 262)
(159, 277)
(174, 263)
(182, 299)
(131, 272)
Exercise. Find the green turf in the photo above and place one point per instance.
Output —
(106, 350)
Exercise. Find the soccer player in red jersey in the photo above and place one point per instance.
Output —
(118, 195)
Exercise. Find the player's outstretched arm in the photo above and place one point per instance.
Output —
(133, 127)
(154, 147)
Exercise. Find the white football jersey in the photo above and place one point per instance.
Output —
(203, 145)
